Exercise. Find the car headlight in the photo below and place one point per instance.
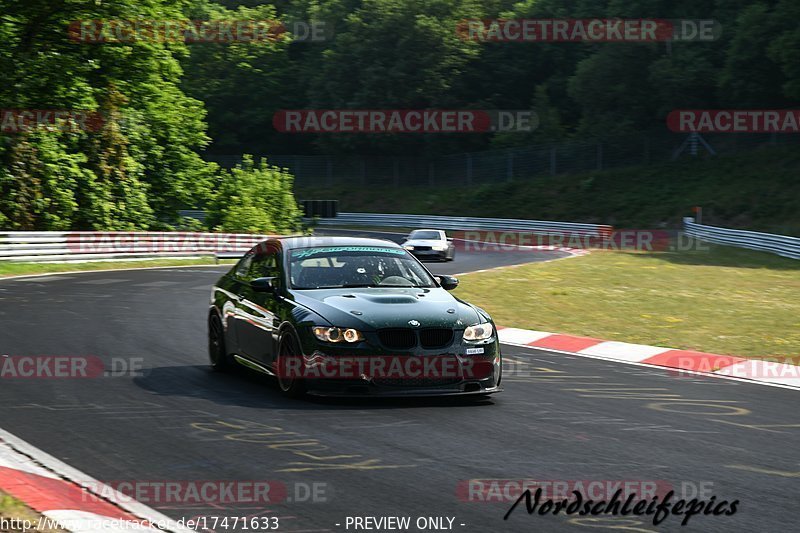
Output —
(439, 247)
(335, 334)
(478, 332)
(408, 247)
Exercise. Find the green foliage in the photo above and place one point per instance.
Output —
(732, 191)
(407, 54)
(143, 164)
(255, 199)
(40, 177)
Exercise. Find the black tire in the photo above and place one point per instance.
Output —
(291, 387)
(500, 374)
(217, 352)
(452, 255)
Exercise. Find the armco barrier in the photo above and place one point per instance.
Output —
(461, 223)
(99, 245)
(753, 240)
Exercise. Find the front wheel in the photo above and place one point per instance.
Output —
(287, 365)
(217, 352)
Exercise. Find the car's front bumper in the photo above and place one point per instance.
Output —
(466, 374)
(429, 254)
(399, 393)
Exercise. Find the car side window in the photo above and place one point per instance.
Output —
(261, 261)
(243, 268)
(264, 266)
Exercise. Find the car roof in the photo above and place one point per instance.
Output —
(290, 243)
(423, 229)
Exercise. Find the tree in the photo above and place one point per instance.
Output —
(144, 168)
(254, 199)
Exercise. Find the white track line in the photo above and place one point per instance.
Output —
(43, 460)
(655, 367)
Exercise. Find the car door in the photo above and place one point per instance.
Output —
(257, 310)
(238, 281)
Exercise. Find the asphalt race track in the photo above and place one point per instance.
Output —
(560, 418)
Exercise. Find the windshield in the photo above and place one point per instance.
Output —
(425, 235)
(355, 266)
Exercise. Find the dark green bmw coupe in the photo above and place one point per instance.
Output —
(351, 317)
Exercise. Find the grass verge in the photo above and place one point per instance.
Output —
(13, 513)
(21, 269)
(724, 300)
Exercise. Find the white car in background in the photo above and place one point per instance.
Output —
(430, 244)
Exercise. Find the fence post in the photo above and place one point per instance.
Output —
(553, 161)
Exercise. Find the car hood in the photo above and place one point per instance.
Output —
(375, 308)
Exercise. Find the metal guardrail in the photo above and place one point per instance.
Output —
(115, 245)
(460, 223)
(766, 242)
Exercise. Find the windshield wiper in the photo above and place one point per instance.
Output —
(364, 285)
(343, 286)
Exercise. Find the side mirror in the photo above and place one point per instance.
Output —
(263, 284)
(448, 283)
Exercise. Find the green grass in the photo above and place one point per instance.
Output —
(756, 190)
(12, 508)
(726, 300)
(20, 269)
